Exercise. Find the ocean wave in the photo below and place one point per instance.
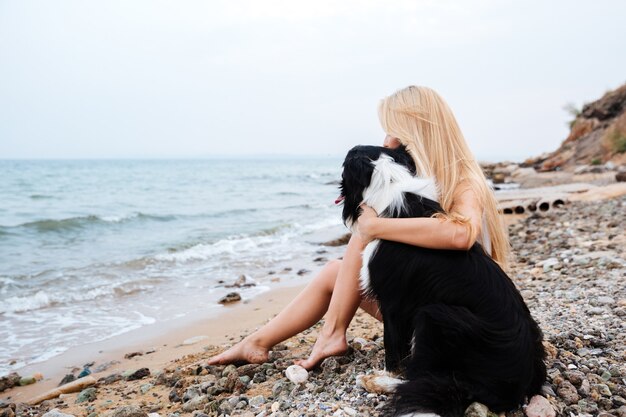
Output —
(42, 299)
(59, 225)
(254, 244)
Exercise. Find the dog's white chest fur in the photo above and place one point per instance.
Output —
(385, 195)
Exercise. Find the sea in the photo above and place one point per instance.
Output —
(90, 249)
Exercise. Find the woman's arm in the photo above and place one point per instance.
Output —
(427, 232)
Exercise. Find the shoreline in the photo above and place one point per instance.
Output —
(534, 275)
(165, 338)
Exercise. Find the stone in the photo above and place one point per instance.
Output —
(128, 411)
(138, 374)
(196, 403)
(86, 395)
(477, 410)
(228, 370)
(231, 297)
(330, 366)
(257, 401)
(55, 412)
(145, 388)
(9, 381)
(132, 355)
(568, 393)
(296, 374)
(538, 406)
(67, 379)
(27, 380)
(191, 393)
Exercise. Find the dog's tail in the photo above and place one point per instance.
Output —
(430, 394)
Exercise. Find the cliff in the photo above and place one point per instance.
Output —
(597, 136)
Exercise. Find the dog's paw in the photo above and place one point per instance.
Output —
(381, 383)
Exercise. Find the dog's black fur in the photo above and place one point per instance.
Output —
(455, 326)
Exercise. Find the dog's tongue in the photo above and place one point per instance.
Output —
(339, 199)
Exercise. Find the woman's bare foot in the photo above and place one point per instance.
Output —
(247, 351)
(327, 344)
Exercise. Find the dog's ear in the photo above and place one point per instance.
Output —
(356, 177)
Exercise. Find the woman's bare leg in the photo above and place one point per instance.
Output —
(303, 312)
(345, 299)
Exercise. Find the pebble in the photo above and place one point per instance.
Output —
(27, 380)
(231, 297)
(128, 411)
(257, 401)
(55, 412)
(86, 395)
(296, 374)
(138, 374)
(538, 406)
(477, 410)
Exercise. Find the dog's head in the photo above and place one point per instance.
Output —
(370, 175)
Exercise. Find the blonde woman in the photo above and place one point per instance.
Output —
(420, 119)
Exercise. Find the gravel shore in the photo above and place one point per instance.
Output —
(569, 266)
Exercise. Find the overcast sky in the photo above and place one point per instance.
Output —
(154, 79)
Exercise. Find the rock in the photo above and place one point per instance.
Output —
(330, 366)
(67, 379)
(138, 374)
(242, 282)
(476, 410)
(602, 389)
(620, 176)
(55, 412)
(596, 311)
(111, 379)
(132, 355)
(349, 411)
(601, 301)
(88, 394)
(86, 371)
(145, 388)
(567, 392)
(538, 406)
(229, 369)
(9, 381)
(257, 401)
(296, 374)
(575, 377)
(343, 240)
(27, 380)
(191, 393)
(195, 404)
(302, 271)
(128, 411)
(231, 297)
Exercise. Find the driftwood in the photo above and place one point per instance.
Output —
(74, 386)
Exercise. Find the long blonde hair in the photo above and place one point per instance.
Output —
(422, 121)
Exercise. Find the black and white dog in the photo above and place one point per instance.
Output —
(455, 327)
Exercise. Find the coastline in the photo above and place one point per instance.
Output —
(537, 275)
(167, 340)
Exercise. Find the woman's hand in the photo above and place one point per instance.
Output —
(365, 222)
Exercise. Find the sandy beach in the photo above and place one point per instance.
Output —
(569, 266)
